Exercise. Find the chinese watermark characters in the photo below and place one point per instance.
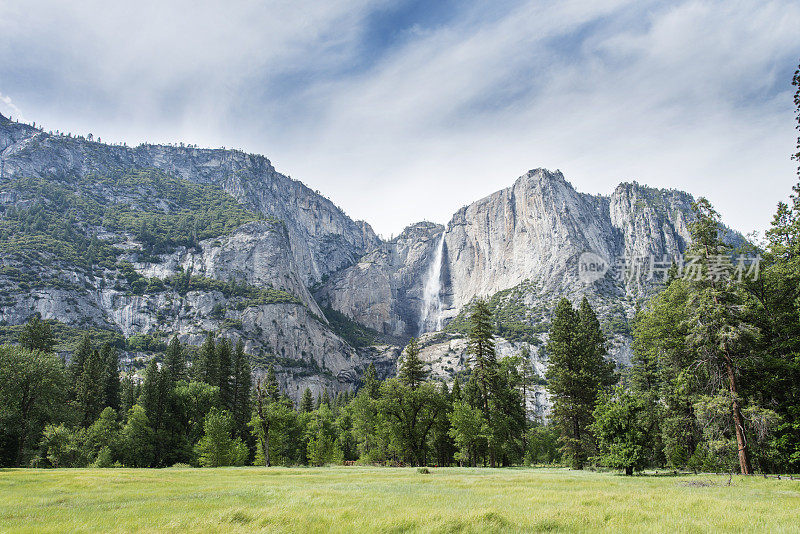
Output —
(690, 267)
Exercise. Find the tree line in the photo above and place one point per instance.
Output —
(208, 410)
(714, 385)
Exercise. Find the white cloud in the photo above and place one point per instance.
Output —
(693, 95)
(682, 100)
(9, 109)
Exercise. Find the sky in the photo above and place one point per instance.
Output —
(405, 111)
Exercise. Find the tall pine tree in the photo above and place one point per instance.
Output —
(412, 370)
(175, 361)
(577, 373)
(111, 384)
(480, 346)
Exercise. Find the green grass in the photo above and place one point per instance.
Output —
(347, 499)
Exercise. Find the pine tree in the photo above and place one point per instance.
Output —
(412, 371)
(622, 429)
(455, 393)
(82, 353)
(481, 347)
(576, 375)
(207, 368)
(324, 399)
(719, 332)
(129, 394)
(175, 361)
(225, 372)
(371, 381)
(158, 402)
(262, 420)
(271, 389)
(661, 356)
(442, 442)
(110, 360)
(242, 384)
(527, 376)
(91, 388)
(307, 402)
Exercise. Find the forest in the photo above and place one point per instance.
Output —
(714, 386)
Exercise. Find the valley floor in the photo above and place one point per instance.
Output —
(348, 499)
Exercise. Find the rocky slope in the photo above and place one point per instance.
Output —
(529, 236)
(522, 248)
(323, 238)
(249, 283)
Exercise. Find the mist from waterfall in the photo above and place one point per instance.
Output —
(431, 313)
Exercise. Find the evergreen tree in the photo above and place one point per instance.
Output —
(167, 416)
(129, 394)
(175, 361)
(91, 388)
(576, 375)
(242, 384)
(719, 331)
(110, 360)
(271, 389)
(267, 394)
(661, 359)
(207, 368)
(622, 430)
(307, 402)
(371, 381)
(324, 399)
(593, 345)
(79, 356)
(481, 348)
(441, 441)
(412, 370)
(225, 372)
(455, 393)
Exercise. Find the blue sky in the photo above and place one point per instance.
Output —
(403, 111)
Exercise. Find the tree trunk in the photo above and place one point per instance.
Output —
(577, 459)
(738, 422)
(628, 470)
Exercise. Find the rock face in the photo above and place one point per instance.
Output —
(308, 239)
(323, 238)
(520, 247)
(384, 289)
(532, 233)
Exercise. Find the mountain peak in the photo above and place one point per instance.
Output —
(541, 172)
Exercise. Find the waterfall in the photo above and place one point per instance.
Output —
(431, 297)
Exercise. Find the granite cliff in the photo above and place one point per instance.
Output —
(285, 270)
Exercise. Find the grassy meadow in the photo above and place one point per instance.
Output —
(347, 499)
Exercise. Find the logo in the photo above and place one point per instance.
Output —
(591, 267)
